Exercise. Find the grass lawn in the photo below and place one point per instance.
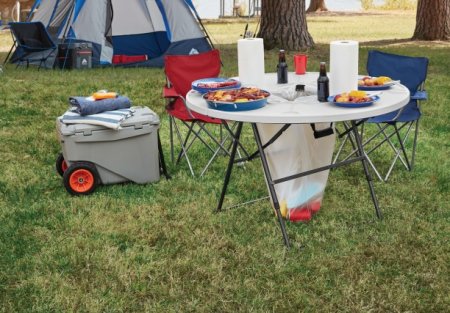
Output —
(161, 248)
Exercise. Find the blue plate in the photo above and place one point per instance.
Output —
(377, 87)
(214, 80)
(352, 104)
(236, 106)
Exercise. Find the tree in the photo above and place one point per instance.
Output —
(432, 20)
(283, 25)
(317, 5)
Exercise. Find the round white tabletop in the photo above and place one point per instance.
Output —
(303, 109)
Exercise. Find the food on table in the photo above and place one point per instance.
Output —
(354, 96)
(374, 81)
(225, 84)
(243, 94)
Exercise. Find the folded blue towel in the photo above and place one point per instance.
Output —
(88, 106)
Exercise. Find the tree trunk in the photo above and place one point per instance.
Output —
(317, 5)
(432, 20)
(283, 25)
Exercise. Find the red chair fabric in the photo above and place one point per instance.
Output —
(181, 71)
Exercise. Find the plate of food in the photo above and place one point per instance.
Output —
(375, 83)
(353, 99)
(240, 99)
(210, 84)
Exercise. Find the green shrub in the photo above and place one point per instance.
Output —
(390, 5)
(367, 4)
(399, 5)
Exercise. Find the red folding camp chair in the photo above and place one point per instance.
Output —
(181, 71)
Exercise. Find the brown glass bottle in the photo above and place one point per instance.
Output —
(282, 68)
(323, 84)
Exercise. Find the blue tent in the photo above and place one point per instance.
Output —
(131, 28)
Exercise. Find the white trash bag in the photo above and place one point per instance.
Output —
(296, 151)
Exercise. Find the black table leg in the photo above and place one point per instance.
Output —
(366, 169)
(236, 138)
(270, 183)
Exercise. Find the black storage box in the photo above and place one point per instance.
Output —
(77, 55)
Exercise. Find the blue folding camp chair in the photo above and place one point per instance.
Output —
(412, 72)
(32, 43)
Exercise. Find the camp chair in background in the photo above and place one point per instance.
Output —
(412, 73)
(181, 71)
(32, 43)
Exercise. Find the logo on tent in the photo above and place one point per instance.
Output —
(193, 51)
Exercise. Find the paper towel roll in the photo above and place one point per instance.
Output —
(343, 66)
(251, 61)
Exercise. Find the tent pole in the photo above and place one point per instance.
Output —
(202, 26)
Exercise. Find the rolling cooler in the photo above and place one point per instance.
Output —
(93, 155)
(77, 55)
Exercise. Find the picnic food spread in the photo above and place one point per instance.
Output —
(354, 96)
(244, 94)
(374, 81)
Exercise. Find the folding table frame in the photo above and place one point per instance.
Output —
(360, 156)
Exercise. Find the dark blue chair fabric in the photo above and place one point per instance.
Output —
(411, 71)
(33, 42)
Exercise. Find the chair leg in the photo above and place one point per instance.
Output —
(171, 138)
(202, 127)
(343, 142)
(366, 142)
(214, 155)
(9, 53)
(402, 146)
(217, 142)
(223, 139)
(341, 146)
(186, 139)
(180, 139)
(416, 133)
(397, 155)
(391, 144)
(196, 134)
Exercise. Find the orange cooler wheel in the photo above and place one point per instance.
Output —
(81, 178)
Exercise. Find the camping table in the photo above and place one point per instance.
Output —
(301, 113)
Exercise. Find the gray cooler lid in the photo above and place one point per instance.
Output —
(142, 116)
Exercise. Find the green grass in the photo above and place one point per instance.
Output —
(161, 248)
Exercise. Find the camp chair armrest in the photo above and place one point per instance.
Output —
(420, 95)
(170, 92)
